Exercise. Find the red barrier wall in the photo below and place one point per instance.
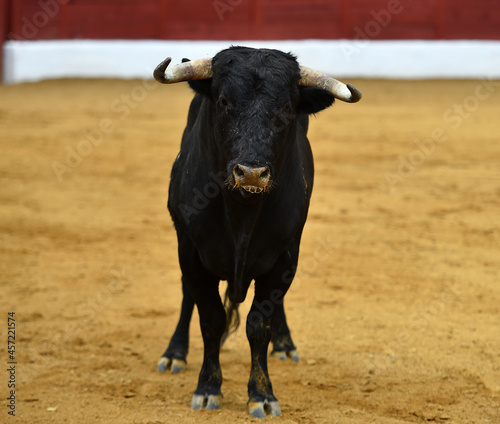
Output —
(4, 29)
(251, 19)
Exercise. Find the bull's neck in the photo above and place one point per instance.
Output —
(242, 214)
(241, 221)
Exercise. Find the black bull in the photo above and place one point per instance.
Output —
(239, 196)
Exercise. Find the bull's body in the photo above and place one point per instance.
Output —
(239, 196)
(237, 239)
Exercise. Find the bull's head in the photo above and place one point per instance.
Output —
(257, 97)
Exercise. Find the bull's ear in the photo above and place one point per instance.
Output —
(200, 86)
(314, 99)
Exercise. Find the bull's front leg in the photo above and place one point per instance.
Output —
(267, 304)
(261, 399)
(203, 288)
(212, 322)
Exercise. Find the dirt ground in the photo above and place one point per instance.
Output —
(396, 306)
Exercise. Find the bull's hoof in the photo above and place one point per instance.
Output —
(263, 409)
(293, 355)
(282, 355)
(175, 365)
(208, 402)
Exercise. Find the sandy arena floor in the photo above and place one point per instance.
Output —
(396, 306)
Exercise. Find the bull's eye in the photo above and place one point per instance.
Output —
(225, 104)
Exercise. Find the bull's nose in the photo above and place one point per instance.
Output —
(250, 178)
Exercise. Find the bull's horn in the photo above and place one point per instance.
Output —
(193, 70)
(345, 92)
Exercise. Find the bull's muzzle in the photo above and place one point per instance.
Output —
(252, 180)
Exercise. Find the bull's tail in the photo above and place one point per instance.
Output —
(232, 316)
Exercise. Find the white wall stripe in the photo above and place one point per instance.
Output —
(411, 59)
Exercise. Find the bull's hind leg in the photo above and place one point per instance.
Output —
(174, 357)
(270, 290)
(281, 339)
